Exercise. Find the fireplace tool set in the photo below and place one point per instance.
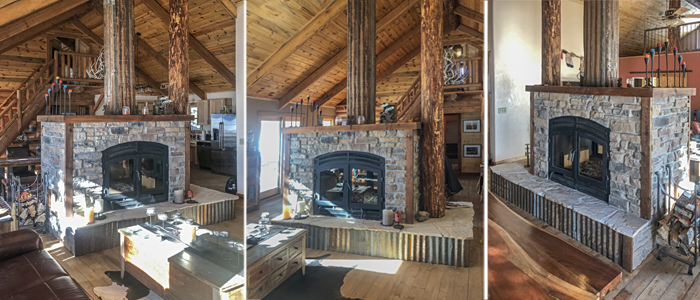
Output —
(655, 79)
(677, 233)
(297, 111)
(59, 99)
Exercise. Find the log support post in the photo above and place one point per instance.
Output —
(178, 73)
(551, 42)
(432, 112)
(119, 47)
(361, 59)
(601, 42)
(673, 32)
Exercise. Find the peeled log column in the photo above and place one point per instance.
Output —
(119, 34)
(601, 40)
(179, 56)
(432, 112)
(673, 32)
(551, 42)
(361, 59)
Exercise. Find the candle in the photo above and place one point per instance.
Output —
(188, 233)
(397, 217)
(301, 208)
(286, 213)
(387, 215)
(90, 214)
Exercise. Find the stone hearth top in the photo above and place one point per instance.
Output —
(596, 209)
(458, 223)
(613, 91)
(113, 118)
(201, 194)
(346, 128)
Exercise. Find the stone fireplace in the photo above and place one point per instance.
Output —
(353, 171)
(594, 162)
(126, 161)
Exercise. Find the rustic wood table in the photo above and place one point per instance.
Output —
(173, 269)
(274, 259)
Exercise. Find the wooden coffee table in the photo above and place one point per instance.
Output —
(204, 269)
(272, 261)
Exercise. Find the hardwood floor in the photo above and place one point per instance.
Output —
(413, 280)
(653, 279)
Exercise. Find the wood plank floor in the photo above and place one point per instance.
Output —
(652, 280)
(413, 280)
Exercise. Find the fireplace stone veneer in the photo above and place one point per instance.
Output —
(397, 144)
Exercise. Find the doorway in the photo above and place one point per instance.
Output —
(270, 158)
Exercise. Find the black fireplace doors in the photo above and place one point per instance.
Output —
(579, 155)
(135, 173)
(349, 184)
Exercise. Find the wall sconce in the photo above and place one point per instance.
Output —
(458, 50)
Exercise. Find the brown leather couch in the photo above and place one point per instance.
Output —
(29, 272)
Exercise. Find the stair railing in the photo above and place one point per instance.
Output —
(72, 66)
(407, 101)
(14, 106)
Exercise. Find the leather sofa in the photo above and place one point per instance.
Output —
(27, 271)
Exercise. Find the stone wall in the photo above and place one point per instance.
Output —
(623, 116)
(90, 139)
(389, 144)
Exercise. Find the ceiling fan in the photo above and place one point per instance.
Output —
(674, 17)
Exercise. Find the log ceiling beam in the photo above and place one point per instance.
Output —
(343, 54)
(341, 86)
(470, 14)
(155, 86)
(31, 26)
(195, 44)
(318, 22)
(230, 7)
(20, 9)
(471, 31)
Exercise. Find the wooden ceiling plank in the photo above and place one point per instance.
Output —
(314, 25)
(23, 59)
(471, 31)
(33, 25)
(230, 7)
(470, 14)
(195, 44)
(343, 54)
(22, 8)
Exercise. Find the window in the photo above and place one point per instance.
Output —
(193, 123)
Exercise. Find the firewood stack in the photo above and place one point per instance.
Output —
(676, 229)
(29, 210)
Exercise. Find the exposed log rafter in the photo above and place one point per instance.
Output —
(469, 14)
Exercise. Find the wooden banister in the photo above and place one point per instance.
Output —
(406, 102)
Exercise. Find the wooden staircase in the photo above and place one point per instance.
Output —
(408, 106)
(24, 104)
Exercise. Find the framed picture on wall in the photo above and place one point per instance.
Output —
(472, 151)
(471, 126)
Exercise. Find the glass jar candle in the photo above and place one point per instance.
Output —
(144, 110)
(360, 120)
(126, 111)
(338, 121)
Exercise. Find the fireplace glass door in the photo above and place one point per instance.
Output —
(151, 174)
(349, 184)
(121, 176)
(579, 155)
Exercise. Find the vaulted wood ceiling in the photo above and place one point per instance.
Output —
(212, 24)
(639, 15)
(281, 67)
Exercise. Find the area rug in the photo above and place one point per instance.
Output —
(319, 283)
(124, 289)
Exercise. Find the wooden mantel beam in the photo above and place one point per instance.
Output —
(342, 55)
(32, 25)
(317, 23)
(195, 44)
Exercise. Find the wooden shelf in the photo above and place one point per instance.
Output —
(347, 128)
(613, 91)
(114, 118)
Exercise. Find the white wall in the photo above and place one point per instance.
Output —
(516, 37)
(516, 49)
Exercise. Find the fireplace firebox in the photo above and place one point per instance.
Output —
(135, 174)
(349, 184)
(579, 155)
